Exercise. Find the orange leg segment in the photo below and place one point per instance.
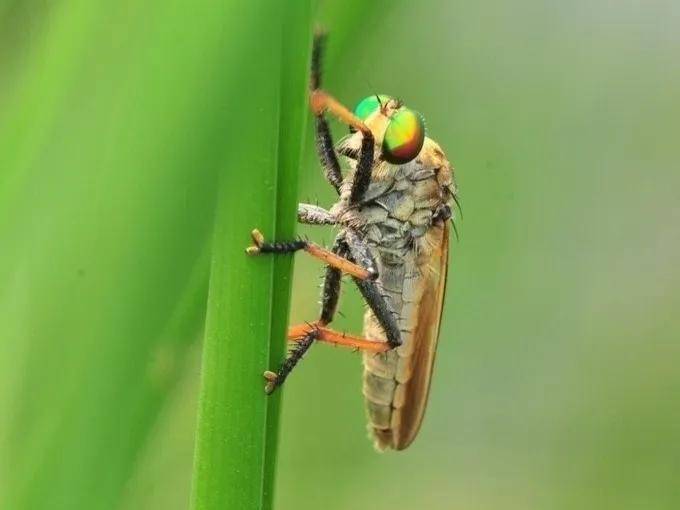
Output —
(335, 337)
(316, 251)
(321, 101)
(338, 262)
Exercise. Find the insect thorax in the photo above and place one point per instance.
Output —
(397, 210)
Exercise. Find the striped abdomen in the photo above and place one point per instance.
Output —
(396, 383)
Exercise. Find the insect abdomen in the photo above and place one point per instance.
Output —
(397, 382)
(387, 374)
(411, 249)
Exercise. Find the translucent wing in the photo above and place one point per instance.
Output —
(425, 337)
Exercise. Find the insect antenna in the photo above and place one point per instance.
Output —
(377, 96)
(379, 101)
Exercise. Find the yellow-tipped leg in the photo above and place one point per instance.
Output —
(271, 379)
(258, 239)
(316, 251)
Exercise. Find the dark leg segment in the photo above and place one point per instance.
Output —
(362, 175)
(382, 310)
(283, 246)
(331, 286)
(330, 295)
(370, 291)
(327, 155)
(317, 55)
(324, 141)
(320, 102)
(274, 380)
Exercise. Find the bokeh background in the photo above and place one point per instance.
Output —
(557, 381)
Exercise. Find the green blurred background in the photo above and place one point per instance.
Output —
(557, 378)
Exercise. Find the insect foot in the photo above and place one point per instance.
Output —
(258, 239)
(276, 248)
(271, 379)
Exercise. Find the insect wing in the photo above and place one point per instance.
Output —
(425, 338)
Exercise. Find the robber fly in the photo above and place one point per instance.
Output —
(392, 218)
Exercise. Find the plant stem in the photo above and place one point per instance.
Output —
(294, 62)
(249, 297)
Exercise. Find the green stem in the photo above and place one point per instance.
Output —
(294, 66)
(249, 297)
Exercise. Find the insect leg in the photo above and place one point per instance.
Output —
(332, 259)
(320, 102)
(306, 336)
(382, 310)
(317, 56)
(331, 289)
(359, 252)
(276, 379)
(324, 141)
(297, 332)
(362, 174)
(351, 243)
(314, 215)
(326, 152)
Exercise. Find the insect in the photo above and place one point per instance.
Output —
(392, 217)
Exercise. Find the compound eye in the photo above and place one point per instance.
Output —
(369, 105)
(404, 137)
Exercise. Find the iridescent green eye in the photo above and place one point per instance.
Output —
(404, 137)
(369, 105)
